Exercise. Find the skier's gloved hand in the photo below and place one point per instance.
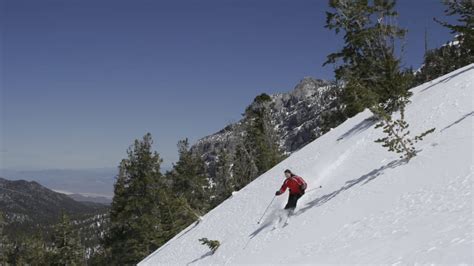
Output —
(277, 193)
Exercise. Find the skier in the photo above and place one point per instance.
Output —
(297, 186)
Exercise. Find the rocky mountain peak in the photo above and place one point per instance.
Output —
(296, 116)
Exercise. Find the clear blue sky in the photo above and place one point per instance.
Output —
(81, 79)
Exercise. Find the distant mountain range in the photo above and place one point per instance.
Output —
(28, 206)
(91, 183)
(88, 198)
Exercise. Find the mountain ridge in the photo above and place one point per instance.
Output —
(27, 205)
(296, 116)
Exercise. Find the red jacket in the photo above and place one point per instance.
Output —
(296, 184)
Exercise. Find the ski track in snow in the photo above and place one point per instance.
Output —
(372, 207)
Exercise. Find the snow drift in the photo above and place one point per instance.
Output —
(372, 207)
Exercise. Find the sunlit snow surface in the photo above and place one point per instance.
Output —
(372, 207)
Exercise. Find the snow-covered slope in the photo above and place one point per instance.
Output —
(372, 207)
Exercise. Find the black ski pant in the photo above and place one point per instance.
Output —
(292, 200)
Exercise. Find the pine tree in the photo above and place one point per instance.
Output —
(370, 71)
(224, 187)
(454, 54)
(244, 169)
(438, 62)
(99, 256)
(261, 140)
(334, 115)
(258, 148)
(15, 254)
(24, 249)
(134, 230)
(4, 243)
(186, 196)
(367, 65)
(36, 251)
(97, 252)
(189, 181)
(212, 244)
(398, 137)
(174, 215)
(67, 247)
(464, 10)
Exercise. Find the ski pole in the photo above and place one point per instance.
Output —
(266, 209)
(314, 189)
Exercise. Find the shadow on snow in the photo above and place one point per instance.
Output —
(260, 229)
(363, 179)
(365, 124)
(446, 79)
(458, 121)
(209, 253)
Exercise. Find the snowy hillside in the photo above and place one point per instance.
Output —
(372, 208)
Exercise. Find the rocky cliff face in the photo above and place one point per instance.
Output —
(296, 116)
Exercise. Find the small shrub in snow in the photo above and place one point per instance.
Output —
(212, 244)
(398, 137)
